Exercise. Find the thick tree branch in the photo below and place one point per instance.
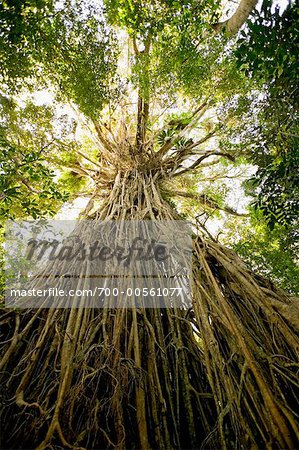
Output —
(207, 201)
(26, 183)
(108, 148)
(182, 154)
(136, 51)
(143, 99)
(201, 158)
(201, 141)
(142, 119)
(169, 144)
(234, 23)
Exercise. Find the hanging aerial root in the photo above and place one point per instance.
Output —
(247, 344)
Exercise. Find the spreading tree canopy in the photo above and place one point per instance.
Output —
(160, 104)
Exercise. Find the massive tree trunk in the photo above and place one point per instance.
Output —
(220, 374)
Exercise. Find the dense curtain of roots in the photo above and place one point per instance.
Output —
(222, 374)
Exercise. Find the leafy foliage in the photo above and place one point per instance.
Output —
(180, 59)
(268, 51)
(66, 43)
(27, 181)
(268, 54)
(271, 253)
(153, 17)
(27, 186)
(276, 186)
(22, 25)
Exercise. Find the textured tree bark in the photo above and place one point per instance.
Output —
(222, 373)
